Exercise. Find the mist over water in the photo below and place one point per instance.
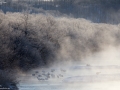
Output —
(34, 41)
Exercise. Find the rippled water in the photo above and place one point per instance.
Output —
(75, 78)
(82, 86)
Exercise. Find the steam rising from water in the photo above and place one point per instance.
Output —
(33, 40)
